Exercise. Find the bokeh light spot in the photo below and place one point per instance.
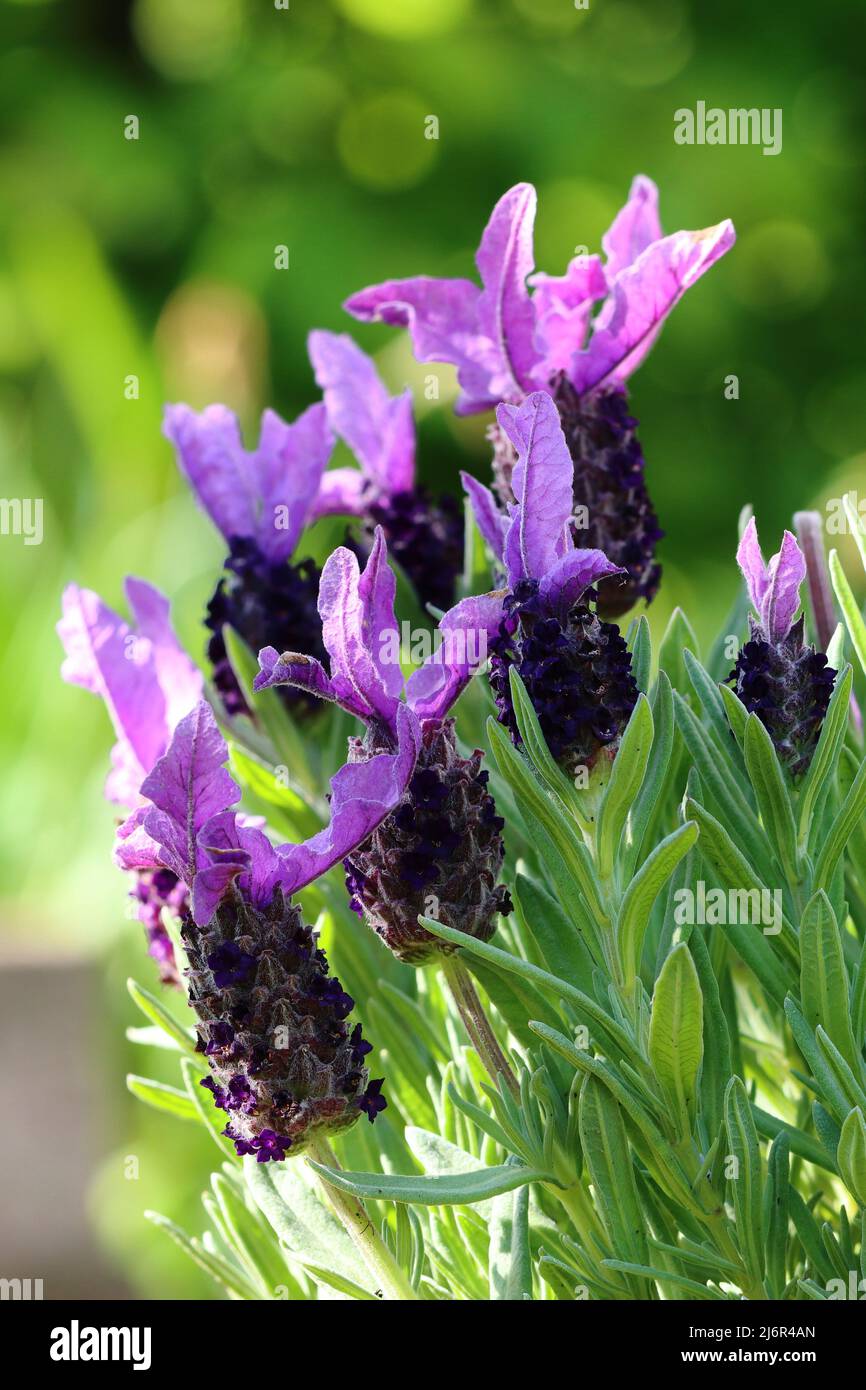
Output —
(780, 268)
(189, 40)
(405, 19)
(556, 16)
(382, 141)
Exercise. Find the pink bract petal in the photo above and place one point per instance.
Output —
(378, 428)
(542, 481)
(467, 630)
(641, 297)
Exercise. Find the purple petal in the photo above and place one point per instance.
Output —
(635, 227)
(641, 297)
(505, 312)
(288, 467)
(467, 630)
(542, 481)
(786, 572)
(265, 493)
(362, 795)
(360, 633)
(212, 457)
(343, 492)
(293, 668)
(751, 561)
(179, 678)
(442, 318)
(563, 585)
(146, 681)
(563, 305)
(133, 847)
(491, 519)
(229, 849)
(378, 428)
(188, 786)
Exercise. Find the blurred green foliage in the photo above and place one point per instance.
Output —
(262, 125)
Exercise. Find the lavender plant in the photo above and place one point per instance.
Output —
(617, 972)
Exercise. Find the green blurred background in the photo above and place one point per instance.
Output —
(262, 126)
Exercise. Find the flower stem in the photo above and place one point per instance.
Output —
(392, 1283)
(477, 1023)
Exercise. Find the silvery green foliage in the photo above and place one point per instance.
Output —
(681, 990)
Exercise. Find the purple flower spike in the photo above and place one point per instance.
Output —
(778, 676)
(264, 495)
(444, 835)
(524, 332)
(271, 1021)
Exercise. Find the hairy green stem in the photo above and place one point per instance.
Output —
(393, 1284)
(477, 1023)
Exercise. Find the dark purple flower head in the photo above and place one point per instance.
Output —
(260, 500)
(424, 537)
(576, 669)
(271, 1019)
(148, 683)
(508, 340)
(778, 676)
(444, 840)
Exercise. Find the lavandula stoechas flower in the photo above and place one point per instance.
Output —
(778, 675)
(260, 500)
(576, 668)
(424, 536)
(444, 840)
(506, 343)
(148, 683)
(286, 1065)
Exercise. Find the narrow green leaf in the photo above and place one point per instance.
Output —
(774, 802)
(157, 1013)
(219, 1269)
(736, 712)
(826, 752)
(769, 1126)
(627, 774)
(823, 977)
(676, 1044)
(678, 635)
(162, 1097)
(637, 904)
(640, 816)
(535, 746)
(572, 867)
(711, 699)
(510, 1259)
(850, 610)
(745, 1184)
(664, 1276)
(606, 1149)
(776, 1215)
(447, 1190)
(717, 1066)
(736, 873)
(851, 1155)
(610, 1030)
(848, 817)
(639, 643)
